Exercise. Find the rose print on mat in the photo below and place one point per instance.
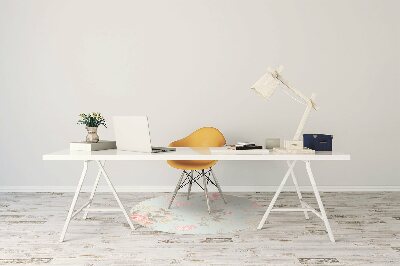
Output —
(182, 203)
(215, 196)
(188, 227)
(192, 217)
(140, 218)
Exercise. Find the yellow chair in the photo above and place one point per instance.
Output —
(193, 170)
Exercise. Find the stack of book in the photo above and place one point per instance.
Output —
(98, 146)
(247, 146)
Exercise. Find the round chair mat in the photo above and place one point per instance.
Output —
(192, 217)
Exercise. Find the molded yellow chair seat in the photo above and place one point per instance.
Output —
(203, 137)
(191, 165)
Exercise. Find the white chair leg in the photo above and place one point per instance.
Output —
(96, 182)
(206, 190)
(217, 183)
(176, 190)
(278, 191)
(320, 205)
(71, 209)
(190, 184)
(298, 191)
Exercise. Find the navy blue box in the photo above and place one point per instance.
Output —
(318, 142)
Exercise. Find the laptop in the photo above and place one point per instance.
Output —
(132, 133)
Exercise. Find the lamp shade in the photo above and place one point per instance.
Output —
(267, 84)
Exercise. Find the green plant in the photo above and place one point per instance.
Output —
(92, 120)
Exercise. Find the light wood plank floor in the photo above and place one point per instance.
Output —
(366, 226)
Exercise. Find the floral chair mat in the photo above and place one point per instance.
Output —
(192, 217)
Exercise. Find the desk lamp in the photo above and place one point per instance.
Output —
(266, 86)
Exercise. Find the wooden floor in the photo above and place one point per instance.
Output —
(366, 226)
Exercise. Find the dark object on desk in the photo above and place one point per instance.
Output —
(162, 149)
(248, 147)
(318, 142)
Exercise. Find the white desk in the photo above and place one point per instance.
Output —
(100, 157)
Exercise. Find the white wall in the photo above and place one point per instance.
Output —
(188, 64)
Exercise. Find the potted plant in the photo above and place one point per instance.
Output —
(92, 121)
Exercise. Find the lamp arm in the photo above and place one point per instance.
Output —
(297, 92)
(309, 102)
(310, 105)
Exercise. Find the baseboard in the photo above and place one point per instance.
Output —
(195, 189)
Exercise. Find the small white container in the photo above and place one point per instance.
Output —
(293, 144)
(271, 143)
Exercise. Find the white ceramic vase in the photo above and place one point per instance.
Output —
(92, 136)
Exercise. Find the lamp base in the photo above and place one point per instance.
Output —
(293, 151)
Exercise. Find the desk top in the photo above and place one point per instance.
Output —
(189, 154)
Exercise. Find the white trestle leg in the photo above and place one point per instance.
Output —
(320, 205)
(121, 206)
(71, 209)
(278, 191)
(86, 207)
(298, 191)
(96, 182)
(304, 206)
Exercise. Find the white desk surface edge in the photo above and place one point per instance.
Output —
(189, 154)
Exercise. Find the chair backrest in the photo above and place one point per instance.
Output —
(203, 137)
